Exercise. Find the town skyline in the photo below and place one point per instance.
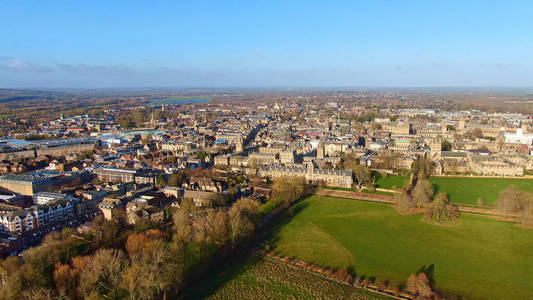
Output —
(363, 150)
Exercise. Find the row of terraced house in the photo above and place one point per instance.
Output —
(19, 220)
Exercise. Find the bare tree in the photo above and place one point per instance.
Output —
(243, 216)
(422, 192)
(404, 202)
(419, 286)
(422, 168)
(217, 225)
(512, 201)
(182, 225)
(103, 274)
(441, 209)
(153, 273)
(362, 173)
(289, 189)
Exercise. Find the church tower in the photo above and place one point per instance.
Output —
(320, 149)
(435, 149)
(239, 145)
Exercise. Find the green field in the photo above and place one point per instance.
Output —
(463, 189)
(480, 258)
(255, 278)
(468, 190)
(392, 181)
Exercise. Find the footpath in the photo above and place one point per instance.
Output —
(389, 199)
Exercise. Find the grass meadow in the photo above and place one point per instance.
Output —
(480, 258)
(265, 278)
(464, 189)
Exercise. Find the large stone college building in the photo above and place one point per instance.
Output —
(330, 177)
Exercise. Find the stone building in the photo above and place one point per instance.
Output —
(401, 127)
(222, 160)
(454, 162)
(435, 149)
(238, 161)
(287, 157)
(25, 184)
(330, 177)
(108, 205)
(491, 166)
(239, 144)
(175, 146)
(139, 176)
(320, 150)
(139, 210)
(257, 158)
(200, 198)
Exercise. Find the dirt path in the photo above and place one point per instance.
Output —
(390, 200)
(355, 195)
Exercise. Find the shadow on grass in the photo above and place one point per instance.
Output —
(238, 262)
(429, 271)
(436, 188)
(218, 275)
(270, 234)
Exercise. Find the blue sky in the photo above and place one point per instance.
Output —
(265, 43)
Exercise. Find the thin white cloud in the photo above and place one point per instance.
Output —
(106, 70)
(17, 72)
(14, 64)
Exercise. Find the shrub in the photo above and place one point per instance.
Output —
(343, 275)
(367, 282)
(359, 281)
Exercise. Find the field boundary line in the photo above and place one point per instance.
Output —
(293, 263)
(390, 200)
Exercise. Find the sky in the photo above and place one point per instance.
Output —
(373, 43)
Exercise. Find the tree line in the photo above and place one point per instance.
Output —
(419, 195)
(148, 261)
(513, 202)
